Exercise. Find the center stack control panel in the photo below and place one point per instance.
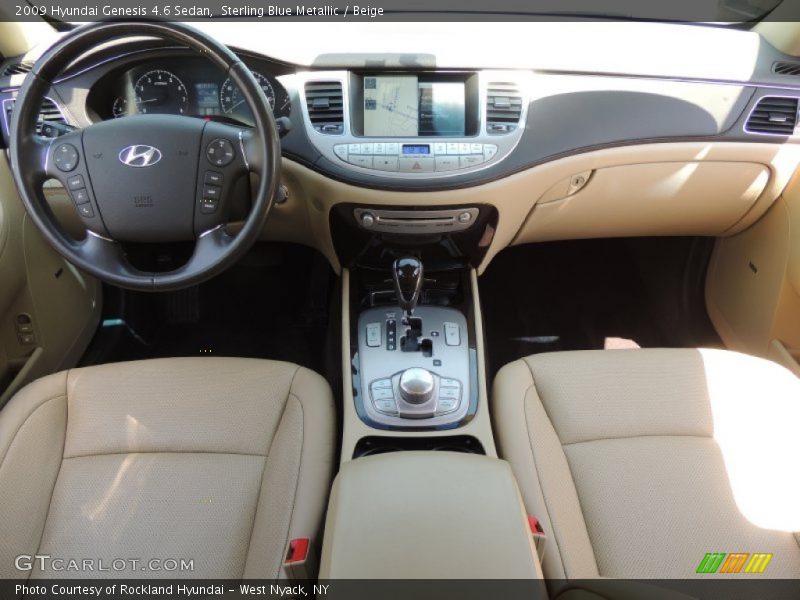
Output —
(426, 387)
(416, 123)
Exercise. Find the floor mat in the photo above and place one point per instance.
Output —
(585, 294)
(273, 304)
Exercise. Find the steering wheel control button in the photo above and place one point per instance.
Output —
(211, 192)
(373, 335)
(80, 196)
(86, 210)
(66, 157)
(452, 334)
(75, 182)
(213, 178)
(220, 152)
(209, 207)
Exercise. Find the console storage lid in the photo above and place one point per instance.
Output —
(426, 515)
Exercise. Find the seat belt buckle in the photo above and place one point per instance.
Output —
(299, 560)
(539, 536)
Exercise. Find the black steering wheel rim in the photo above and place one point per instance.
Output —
(98, 254)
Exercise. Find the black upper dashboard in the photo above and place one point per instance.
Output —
(561, 113)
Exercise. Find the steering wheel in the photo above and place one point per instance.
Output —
(146, 178)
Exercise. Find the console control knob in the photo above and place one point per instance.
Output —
(464, 217)
(367, 220)
(416, 385)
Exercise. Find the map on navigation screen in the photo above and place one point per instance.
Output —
(391, 106)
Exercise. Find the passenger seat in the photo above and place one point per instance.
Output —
(638, 463)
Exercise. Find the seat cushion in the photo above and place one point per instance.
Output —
(639, 462)
(215, 460)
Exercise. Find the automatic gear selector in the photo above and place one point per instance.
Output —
(414, 359)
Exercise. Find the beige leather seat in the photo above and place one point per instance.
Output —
(639, 462)
(215, 460)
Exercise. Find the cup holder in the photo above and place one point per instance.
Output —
(373, 445)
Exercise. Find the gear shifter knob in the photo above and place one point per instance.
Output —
(407, 274)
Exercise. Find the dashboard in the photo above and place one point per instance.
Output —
(183, 85)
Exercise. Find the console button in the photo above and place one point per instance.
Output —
(464, 148)
(373, 335)
(471, 160)
(452, 148)
(382, 383)
(340, 150)
(213, 178)
(446, 383)
(388, 407)
(65, 157)
(386, 163)
(378, 148)
(417, 165)
(489, 150)
(366, 148)
(354, 148)
(449, 392)
(447, 163)
(392, 148)
(361, 161)
(220, 152)
(446, 405)
(382, 394)
(75, 182)
(452, 334)
(476, 148)
(440, 148)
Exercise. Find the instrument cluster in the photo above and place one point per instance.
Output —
(183, 86)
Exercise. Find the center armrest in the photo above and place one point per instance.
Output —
(426, 515)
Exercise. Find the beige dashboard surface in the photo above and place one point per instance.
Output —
(681, 188)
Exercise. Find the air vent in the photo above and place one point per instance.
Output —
(503, 107)
(773, 115)
(786, 68)
(325, 106)
(17, 69)
(51, 121)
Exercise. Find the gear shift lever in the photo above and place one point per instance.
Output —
(407, 275)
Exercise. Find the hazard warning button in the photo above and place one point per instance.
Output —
(416, 164)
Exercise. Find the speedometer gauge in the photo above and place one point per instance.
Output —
(160, 92)
(231, 97)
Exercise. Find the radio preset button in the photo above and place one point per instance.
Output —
(341, 151)
(447, 163)
(361, 161)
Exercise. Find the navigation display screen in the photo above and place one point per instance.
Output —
(404, 106)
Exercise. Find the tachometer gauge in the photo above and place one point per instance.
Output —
(120, 107)
(161, 92)
(231, 96)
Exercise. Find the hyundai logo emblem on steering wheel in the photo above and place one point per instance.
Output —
(140, 155)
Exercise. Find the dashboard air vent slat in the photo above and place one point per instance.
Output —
(773, 115)
(786, 68)
(19, 68)
(325, 106)
(51, 121)
(503, 107)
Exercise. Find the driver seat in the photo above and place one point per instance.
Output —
(220, 461)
